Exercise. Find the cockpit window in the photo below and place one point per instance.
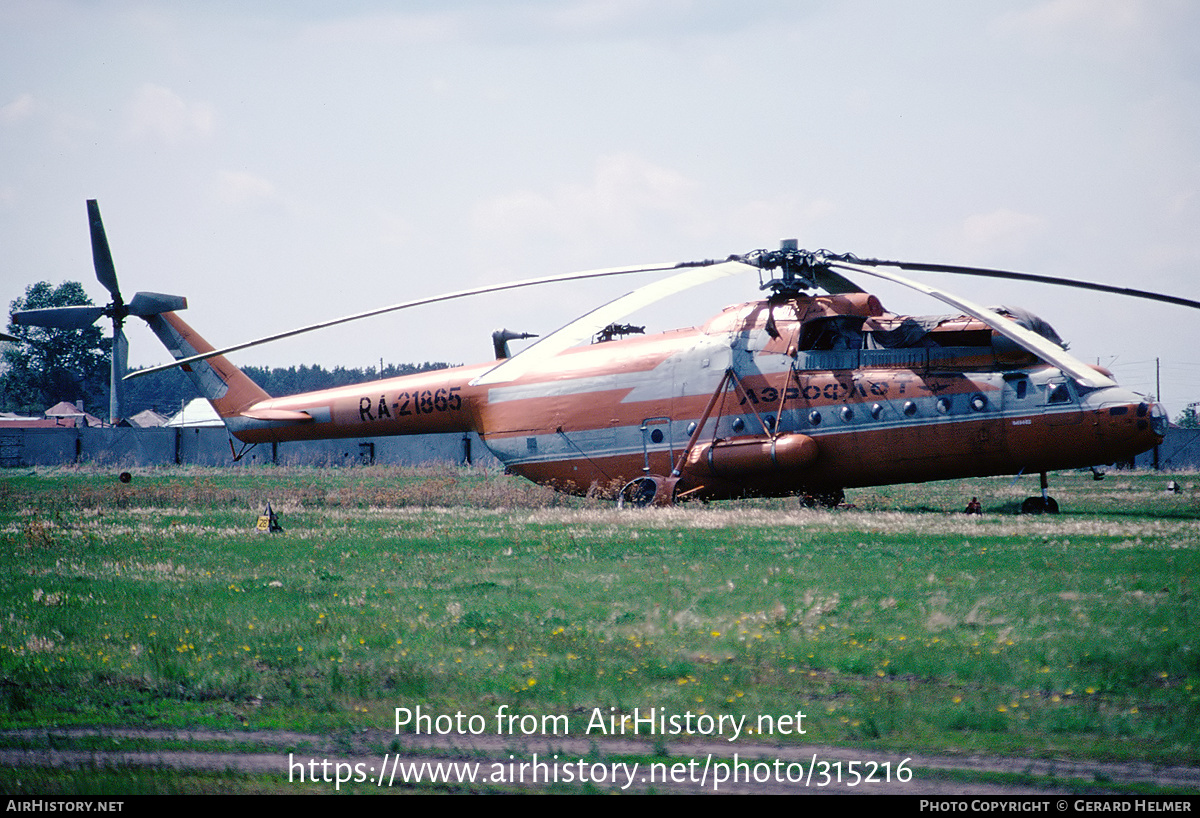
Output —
(1058, 393)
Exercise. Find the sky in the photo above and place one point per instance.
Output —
(284, 163)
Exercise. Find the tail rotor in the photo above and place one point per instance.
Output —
(78, 317)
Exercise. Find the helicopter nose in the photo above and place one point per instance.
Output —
(1158, 418)
(1151, 416)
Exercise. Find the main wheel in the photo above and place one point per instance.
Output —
(638, 493)
(1039, 505)
(824, 499)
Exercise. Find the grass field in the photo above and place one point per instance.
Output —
(898, 626)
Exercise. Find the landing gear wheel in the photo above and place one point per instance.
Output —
(1039, 505)
(645, 491)
(823, 499)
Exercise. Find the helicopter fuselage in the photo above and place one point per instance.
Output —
(809, 394)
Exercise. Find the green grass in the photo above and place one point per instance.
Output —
(901, 625)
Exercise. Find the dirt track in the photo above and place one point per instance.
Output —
(694, 770)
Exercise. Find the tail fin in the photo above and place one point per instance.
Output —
(227, 388)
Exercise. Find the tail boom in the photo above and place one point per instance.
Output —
(436, 402)
(433, 402)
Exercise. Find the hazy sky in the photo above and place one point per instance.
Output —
(284, 163)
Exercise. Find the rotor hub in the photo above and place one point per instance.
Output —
(799, 269)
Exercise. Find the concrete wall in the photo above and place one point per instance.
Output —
(128, 447)
(1180, 449)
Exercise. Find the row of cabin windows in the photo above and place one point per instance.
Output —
(1056, 393)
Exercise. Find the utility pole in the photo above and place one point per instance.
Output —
(1158, 397)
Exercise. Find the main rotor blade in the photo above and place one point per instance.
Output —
(106, 273)
(75, 317)
(1031, 341)
(512, 285)
(835, 284)
(588, 325)
(1015, 276)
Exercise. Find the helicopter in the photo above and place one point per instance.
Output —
(811, 389)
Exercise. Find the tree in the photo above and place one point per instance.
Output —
(1188, 419)
(53, 365)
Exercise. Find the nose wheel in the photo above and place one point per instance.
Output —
(1045, 504)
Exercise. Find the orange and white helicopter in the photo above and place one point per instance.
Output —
(796, 393)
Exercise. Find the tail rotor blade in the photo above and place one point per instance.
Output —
(77, 317)
(120, 364)
(144, 304)
(106, 273)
